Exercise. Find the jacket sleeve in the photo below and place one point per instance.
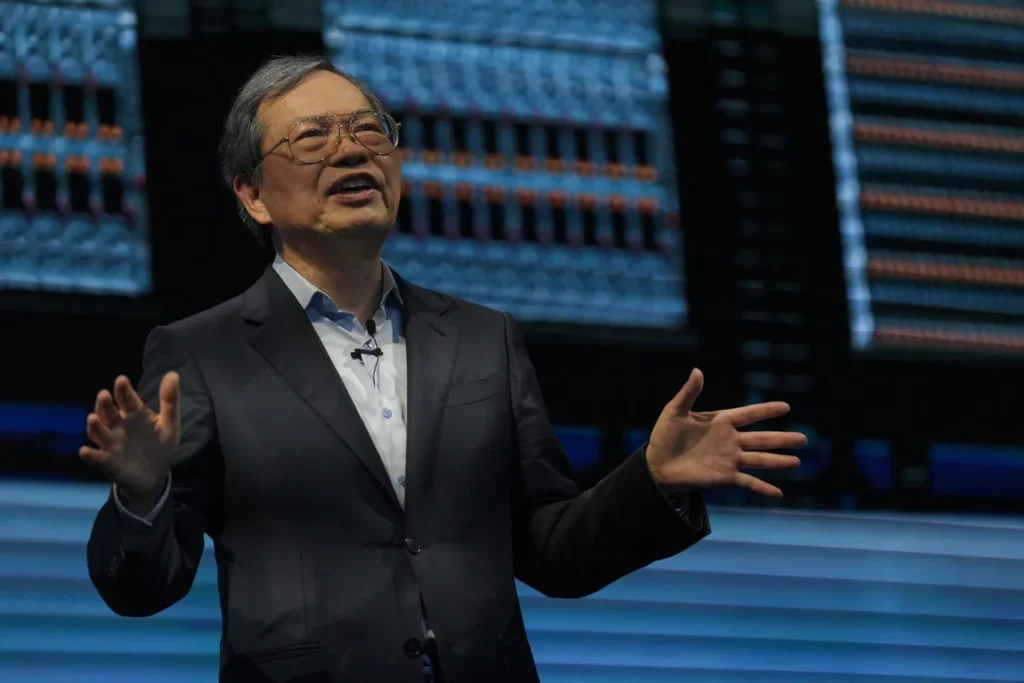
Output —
(141, 569)
(133, 520)
(569, 543)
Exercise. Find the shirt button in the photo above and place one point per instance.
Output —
(387, 413)
(413, 648)
(412, 546)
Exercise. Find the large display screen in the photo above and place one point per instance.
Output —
(72, 175)
(927, 119)
(537, 153)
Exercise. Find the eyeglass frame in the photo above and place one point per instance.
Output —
(397, 127)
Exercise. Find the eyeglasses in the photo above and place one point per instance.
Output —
(313, 139)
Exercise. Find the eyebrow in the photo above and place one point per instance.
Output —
(325, 115)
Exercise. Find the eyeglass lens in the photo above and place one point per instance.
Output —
(312, 140)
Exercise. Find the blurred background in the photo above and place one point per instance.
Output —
(817, 202)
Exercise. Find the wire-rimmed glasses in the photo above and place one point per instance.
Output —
(315, 138)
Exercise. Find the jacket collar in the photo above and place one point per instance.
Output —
(283, 335)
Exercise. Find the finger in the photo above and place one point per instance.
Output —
(106, 410)
(770, 441)
(127, 400)
(756, 485)
(748, 415)
(768, 461)
(97, 431)
(93, 455)
(99, 459)
(170, 398)
(684, 400)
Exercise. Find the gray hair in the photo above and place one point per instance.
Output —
(240, 149)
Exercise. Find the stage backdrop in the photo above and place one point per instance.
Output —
(769, 597)
(537, 153)
(926, 103)
(73, 210)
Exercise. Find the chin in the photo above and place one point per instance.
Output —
(358, 225)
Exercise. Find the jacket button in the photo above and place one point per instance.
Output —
(413, 648)
(412, 546)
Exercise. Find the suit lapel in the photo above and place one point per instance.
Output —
(431, 349)
(283, 335)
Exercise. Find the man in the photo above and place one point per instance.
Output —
(372, 460)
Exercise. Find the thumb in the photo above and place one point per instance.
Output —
(684, 400)
(170, 399)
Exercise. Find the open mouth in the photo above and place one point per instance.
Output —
(354, 187)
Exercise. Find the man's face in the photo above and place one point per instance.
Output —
(306, 197)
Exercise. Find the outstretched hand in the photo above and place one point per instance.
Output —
(693, 450)
(134, 445)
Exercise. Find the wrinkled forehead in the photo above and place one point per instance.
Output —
(319, 93)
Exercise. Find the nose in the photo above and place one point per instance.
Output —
(349, 153)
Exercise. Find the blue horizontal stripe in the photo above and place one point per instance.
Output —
(43, 511)
(74, 495)
(86, 637)
(942, 166)
(557, 284)
(927, 229)
(817, 625)
(28, 418)
(20, 558)
(977, 471)
(955, 297)
(651, 585)
(980, 537)
(591, 673)
(815, 563)
(832, 594)
(979, 453)
(771, 596)
(899, 27)
(85, 667)
(78, 598)
(949, 98)
(767, 651)
(599, 616)
(778, 654)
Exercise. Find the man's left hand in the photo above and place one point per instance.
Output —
(691, 451)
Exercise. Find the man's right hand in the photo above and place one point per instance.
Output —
(135, 446)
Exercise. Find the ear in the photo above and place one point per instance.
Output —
(249, 195)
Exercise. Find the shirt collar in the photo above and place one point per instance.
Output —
(305, 291)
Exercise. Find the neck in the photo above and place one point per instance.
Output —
(352, 280)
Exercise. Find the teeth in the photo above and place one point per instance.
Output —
(356, 184)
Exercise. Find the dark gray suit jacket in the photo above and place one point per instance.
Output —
(321, 574)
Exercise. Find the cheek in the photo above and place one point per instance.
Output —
(395, 186)
(297, 189)
(392, 169)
